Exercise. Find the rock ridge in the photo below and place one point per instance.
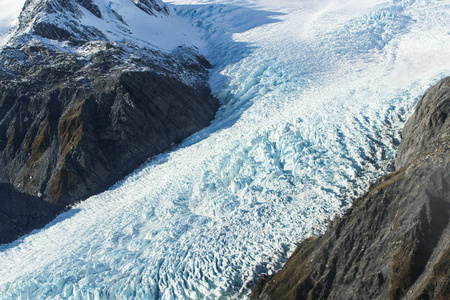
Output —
(76, 118)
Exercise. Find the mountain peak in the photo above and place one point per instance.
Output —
(74, 23)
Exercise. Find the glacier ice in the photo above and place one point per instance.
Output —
(313, 93)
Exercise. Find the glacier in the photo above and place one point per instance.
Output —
(314, 95)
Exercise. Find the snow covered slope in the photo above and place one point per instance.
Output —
(147, 23)
(314, 94)
(9, 14)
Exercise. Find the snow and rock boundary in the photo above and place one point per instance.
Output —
(84, 105)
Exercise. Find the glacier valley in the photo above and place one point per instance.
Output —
(314, 95)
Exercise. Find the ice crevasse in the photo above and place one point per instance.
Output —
(313, 93)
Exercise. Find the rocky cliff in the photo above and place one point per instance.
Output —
(79, 111)
(394, 243)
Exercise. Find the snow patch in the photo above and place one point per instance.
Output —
(9, 14)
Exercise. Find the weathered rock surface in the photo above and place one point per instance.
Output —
(394, 243)
(72, 123)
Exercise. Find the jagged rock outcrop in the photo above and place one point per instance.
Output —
(78, 112)
(394, 243)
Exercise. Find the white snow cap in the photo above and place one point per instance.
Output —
(143, 22)
(9, 13)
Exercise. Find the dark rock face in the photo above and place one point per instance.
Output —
(427, 126)
(91, 7)
(23, 214)
(150, 6)
(394, 243)
(72, 123)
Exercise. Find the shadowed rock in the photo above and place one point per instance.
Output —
(18, 217)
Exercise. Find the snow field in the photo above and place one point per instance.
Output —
(314, 95)
(121, 21)
(161, 32)
(9, 13)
